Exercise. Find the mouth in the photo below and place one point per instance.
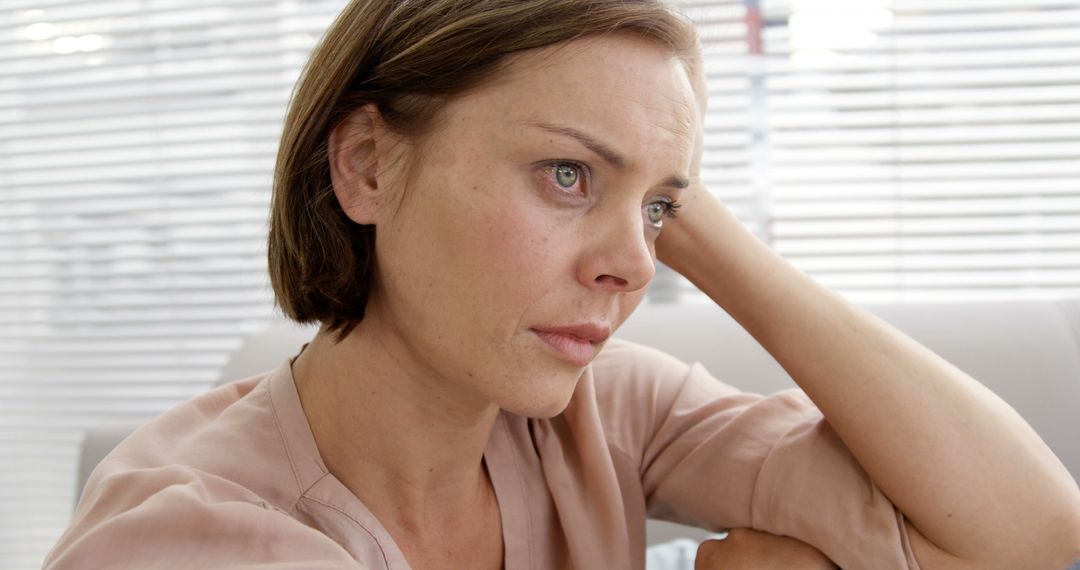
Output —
(577, 344)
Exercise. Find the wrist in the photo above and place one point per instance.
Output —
(704, 224)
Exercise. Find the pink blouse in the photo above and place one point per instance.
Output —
(233, 478)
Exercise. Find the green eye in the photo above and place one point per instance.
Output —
(655, 212)
(566, 175)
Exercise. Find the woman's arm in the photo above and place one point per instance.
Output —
(974, 480)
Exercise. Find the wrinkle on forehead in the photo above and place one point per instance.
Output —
(675, 116)
(611, 99)
(683, 120)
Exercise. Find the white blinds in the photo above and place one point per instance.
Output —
(904, 149)
(136, 147)
(925, 149)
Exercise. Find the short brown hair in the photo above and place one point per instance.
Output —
(404, 56)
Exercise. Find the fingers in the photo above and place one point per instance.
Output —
(748, 549)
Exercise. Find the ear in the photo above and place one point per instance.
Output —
(356, 151)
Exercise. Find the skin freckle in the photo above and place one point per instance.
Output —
(481, 254)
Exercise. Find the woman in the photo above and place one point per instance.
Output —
(470, 197)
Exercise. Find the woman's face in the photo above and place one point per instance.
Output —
(525, 231)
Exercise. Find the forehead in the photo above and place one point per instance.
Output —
(631, 93)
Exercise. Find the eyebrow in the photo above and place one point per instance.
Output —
(602, 150)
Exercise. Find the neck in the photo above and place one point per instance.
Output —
(404, 439)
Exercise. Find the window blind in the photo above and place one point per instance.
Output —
(925, 149)
(137, 140)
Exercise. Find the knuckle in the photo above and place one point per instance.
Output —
(759, 548)
(708, 549)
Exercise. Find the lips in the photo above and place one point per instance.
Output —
(576, 344)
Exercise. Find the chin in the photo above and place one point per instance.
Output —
(547, 413)
(547, 400)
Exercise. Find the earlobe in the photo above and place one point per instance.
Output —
(352, 151)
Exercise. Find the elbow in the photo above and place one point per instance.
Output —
(1062, 547)
(1056, 538)
(1074, 555)
(1072, 543)
(1054, 545)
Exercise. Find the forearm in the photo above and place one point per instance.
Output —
(961, 465)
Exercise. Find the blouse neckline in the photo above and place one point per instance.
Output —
(314, 480)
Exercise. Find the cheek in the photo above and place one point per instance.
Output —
(628, 302)
(483, 254)
(518, 243)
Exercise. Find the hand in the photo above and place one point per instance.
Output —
(748, 549)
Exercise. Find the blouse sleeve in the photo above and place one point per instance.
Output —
(714, 457)
(173, 517)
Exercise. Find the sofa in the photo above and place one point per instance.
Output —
(1027, 352)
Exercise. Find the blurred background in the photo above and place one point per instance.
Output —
(904, 150)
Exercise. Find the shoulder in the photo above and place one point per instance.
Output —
(222, 441)
(630, 374)
(635, 388)
(209, 479)
(141, 518)
(231, 413)
(624, 362)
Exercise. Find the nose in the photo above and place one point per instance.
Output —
(619, 257)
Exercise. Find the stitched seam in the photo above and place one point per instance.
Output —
(654, 429)
(300, 490)
(613, 445)
(341, 511)
(757, 477)
(523, 491)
